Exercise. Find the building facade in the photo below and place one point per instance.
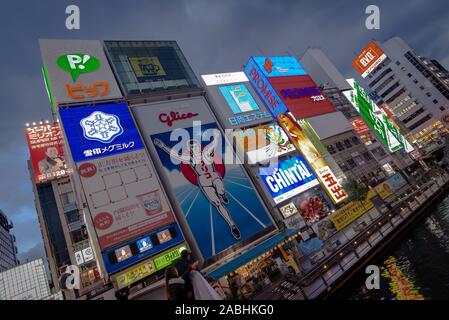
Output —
(66, 240)
(414, 88)
(25, 282)
(8, 249)
(333, 84)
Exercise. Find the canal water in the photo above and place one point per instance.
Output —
(414, 266)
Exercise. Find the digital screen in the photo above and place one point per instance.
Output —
(288, 178)
(238, 98)
(164, 236)
(144, 244)
(123, 253)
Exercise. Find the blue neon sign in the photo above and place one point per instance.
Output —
(288, 178)
(100, 131)
(279, 66)
(264, 89)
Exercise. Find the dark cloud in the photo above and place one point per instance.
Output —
(216, 36)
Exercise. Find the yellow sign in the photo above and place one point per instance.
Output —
(149, 267)
(138, 273)
(314, 158)
(350, 212)
(147, 67)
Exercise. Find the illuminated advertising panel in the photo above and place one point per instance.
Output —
(216, 199)
(234, 101)
(100, 131)
(146, 67)
(263, 142)
(262, 86)
(238, 98)
(368, 59)
(312, 205)
(46, 152)
(287, 178)
(279, 66)
(360, 126)
(147, 268)
(224, 78)
(77, 72)
(376, 119)
(123, 192)
(301, 95)
(315, 159)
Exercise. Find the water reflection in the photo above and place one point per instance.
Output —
(415, 267)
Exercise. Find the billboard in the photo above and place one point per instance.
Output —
(124, 197)
(353, 210)
(371, 57)
(234, 101)
(145, 67)
(262, 86)
(279, 66)
(287, 178)
(313, 205)
(263, 142)
(376, 119)
(147, 268)
(121, 186)
(360, 126)
(77, 72)
(47, 158)
(216, 199)
(301, 95)
(315, 159)
(100, 131)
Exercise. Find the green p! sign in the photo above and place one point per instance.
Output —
(77, 63)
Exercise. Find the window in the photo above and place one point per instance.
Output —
(403, 68)
(340, 146)
(409, 75)
(435, 101)
(355, 141)
(367, 156)
(420, 122)
(72, 216)
(359, 160)
(78, 236)
(429, 94)
(415, 81)
(422, 87)
(347, 143)
(67, 198)
(351, 163)
(397, 63)
(331, 149)
(442, 108)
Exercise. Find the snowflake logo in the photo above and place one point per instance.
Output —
(101, 127)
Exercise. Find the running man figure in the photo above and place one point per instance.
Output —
(209, 180)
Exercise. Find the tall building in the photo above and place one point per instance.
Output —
(25, 282)
(62, 225)
(8, 249)
(334, 87)
(414, 88)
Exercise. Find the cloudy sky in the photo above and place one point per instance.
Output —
(216, 36)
